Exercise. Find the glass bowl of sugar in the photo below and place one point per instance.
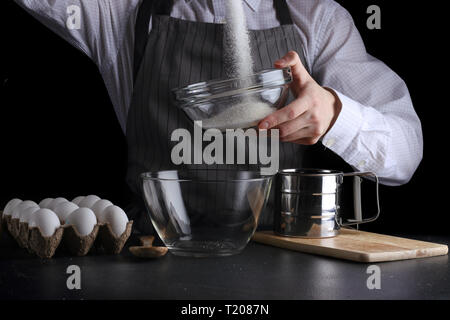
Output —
(235, 103)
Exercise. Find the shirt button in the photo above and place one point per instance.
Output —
(362, 163)
(330, 142)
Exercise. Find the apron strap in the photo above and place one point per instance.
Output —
(145, 11)
(282, 11)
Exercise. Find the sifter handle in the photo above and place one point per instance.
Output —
(357, 199)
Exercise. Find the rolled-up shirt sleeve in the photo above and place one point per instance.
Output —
(377, 129)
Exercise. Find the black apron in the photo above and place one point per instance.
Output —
(177, 53)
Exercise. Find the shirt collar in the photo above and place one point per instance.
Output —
(254, 4)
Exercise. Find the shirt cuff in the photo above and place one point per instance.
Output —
(342, 137)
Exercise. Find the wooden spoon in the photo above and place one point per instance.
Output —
(147, 241)
(147, 250)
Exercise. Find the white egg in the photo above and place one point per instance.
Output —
(32, 220)
(10, 206)
(64, 209)
(47, 221)
(45, 202)
(78, 199)
(28, 213)
(83, 219)
(21, 207)
(99, 207)
(88, 201)
(55, 202)
(117, 218)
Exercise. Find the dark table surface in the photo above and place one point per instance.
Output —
(259, 272)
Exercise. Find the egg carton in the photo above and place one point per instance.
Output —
(65, 237)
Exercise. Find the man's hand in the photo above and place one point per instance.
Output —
(314, 111)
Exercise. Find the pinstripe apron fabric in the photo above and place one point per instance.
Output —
(177, 53)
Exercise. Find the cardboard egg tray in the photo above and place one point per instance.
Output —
(66, 237)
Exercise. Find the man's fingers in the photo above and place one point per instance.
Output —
(304, 133)
(291, 59)
(289, 112)
(306, 141)
(290, 127)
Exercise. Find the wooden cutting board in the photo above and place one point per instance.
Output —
(357, 246)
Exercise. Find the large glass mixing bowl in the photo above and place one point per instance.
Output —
(235, 103)
(205, 212)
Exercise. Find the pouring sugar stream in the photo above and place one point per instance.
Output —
(238, 54)
(244, 97)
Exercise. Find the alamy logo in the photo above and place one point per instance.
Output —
(74, 17)
(213, 153)
(74, 280)
(374, 20)
(374, 280)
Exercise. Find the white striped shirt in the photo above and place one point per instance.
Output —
(377, 129)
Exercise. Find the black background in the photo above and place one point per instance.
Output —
(59, 135)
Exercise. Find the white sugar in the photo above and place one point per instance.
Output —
(243, 115)
(239, 64)
(237, 43)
